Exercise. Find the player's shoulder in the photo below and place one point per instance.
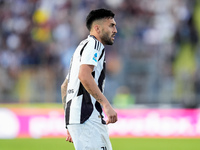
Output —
(83, 42)
(94, 43)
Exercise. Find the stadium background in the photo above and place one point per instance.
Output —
(153, 66)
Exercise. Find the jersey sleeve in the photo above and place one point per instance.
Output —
(90, 55)
(67, 77)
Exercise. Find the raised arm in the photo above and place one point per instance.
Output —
(90, 85)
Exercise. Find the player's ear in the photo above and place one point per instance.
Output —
(97, 28)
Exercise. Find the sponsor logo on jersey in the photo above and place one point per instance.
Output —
(70, 91)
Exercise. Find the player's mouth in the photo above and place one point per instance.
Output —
(113, 36)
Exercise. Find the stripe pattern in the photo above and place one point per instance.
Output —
(80, 104)
(97, 45)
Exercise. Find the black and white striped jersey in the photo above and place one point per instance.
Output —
(80, 104)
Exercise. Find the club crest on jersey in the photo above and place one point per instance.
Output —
(95, 57)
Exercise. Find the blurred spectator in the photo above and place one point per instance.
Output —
(156, 53)
(123, 98)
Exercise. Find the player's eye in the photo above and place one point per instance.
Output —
(112, 25)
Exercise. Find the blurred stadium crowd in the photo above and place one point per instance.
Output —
(155, 59)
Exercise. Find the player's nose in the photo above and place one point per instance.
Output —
(115, 30)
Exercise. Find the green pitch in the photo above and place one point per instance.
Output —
(118, 144)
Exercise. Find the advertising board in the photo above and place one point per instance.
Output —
(38, 123)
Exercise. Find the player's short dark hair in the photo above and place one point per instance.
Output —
(97, 15)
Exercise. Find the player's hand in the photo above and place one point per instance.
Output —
(69, 138)
(110, 113)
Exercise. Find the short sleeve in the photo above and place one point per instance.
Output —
(90, 55)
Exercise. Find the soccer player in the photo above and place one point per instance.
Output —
(82, 90)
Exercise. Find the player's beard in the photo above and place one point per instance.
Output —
(107, 39)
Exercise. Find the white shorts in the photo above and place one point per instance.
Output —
(90, 136)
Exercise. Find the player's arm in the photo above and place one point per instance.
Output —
(64, 91)
(63, 95)
(87, 80)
